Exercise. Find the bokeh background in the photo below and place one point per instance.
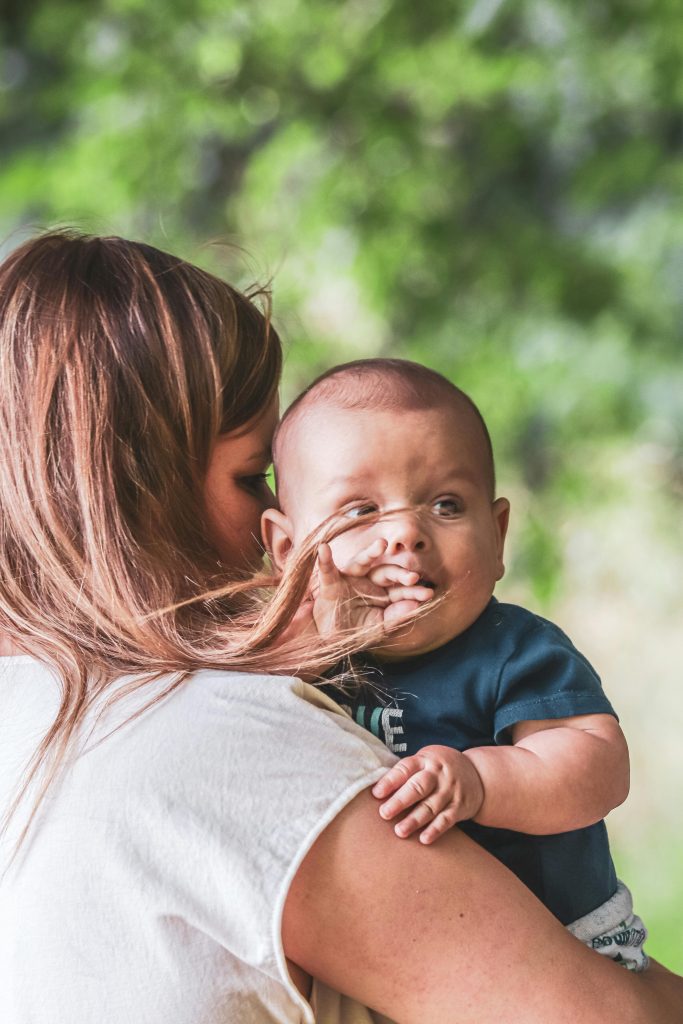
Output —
(493, 187)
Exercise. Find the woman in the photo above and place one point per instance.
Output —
(180, 815)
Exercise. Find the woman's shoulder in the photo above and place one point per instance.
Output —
(219, 759)
(219, 731)
(198, 808)
(216, 748)
(237, 705)
(183, 715)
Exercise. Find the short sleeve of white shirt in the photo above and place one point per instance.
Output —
(152, 887)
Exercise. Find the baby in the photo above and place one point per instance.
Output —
(502, 724)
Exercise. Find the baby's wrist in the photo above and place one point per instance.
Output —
(480, 802)
(481, 792)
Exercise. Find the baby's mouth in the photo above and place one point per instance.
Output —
(425, 582)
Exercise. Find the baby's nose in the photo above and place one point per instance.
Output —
(405, 533)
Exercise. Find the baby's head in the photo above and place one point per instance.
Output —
(405, 455)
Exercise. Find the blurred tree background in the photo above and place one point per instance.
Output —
(492, 187)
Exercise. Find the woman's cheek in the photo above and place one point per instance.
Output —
(235, 526)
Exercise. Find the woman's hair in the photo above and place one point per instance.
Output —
(119, 367)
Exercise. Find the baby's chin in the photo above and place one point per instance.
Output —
(410, 641)
(427, 631)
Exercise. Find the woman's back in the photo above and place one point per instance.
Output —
(152, 884)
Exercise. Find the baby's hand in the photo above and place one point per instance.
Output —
(363, 593)
(439, 783)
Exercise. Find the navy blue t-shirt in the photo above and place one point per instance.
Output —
(509, 666)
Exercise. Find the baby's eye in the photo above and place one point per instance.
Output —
(447, 508)
(358, 511)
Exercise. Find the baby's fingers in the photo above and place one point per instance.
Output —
(399, 612)
(386, 575)
(397, 776)
(429, 812)
(328, 573)
(361, 563)
(443, 821)
(420, 594)
(420, 789)
(328, 582)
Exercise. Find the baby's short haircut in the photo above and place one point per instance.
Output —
(386, 384)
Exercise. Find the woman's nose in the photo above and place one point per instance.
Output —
(404, 532)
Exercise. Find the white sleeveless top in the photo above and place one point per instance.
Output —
(151, 888)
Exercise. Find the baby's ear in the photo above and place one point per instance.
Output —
(276, 531)
(501, 518)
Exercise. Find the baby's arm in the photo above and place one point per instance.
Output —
(558, 775)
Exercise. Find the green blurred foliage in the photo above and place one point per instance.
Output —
(492, 187)
(656, 882)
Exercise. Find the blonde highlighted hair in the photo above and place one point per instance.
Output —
(119, 366)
